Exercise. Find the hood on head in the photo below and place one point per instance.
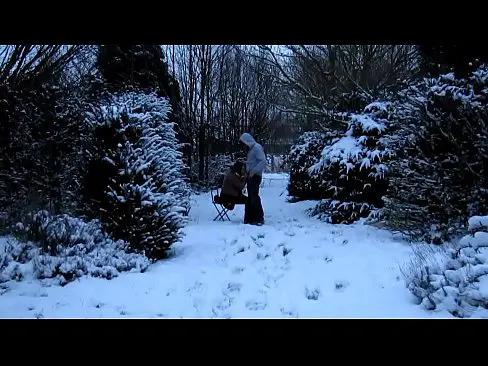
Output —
(247, 139)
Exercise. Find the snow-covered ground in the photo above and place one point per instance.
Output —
(294, 266)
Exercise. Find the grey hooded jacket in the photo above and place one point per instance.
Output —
(256, 159)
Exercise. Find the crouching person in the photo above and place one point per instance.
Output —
(234, 182)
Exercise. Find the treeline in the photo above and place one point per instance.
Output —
(225, 91)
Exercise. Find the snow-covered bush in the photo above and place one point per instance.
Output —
(42, 142)
(457, 280)
(135, 181)
(303, 155)
(352, 170)
(65, 248)
(438, 179)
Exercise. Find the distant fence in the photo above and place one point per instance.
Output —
(277, 163)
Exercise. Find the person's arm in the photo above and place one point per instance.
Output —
(243, 181)
(237, 183)
(261, 158)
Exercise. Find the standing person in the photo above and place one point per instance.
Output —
(256, 163)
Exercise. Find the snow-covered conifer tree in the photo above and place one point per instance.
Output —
(351, 169)
(438, 179)
(142, 197)
(304, 154)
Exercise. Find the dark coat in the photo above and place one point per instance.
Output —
(233, 184)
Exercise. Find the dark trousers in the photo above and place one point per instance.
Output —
(254, 209)
(229, 201)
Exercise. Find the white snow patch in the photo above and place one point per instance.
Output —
(477, 222)
(367, 123)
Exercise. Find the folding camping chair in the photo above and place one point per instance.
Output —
(222, 212)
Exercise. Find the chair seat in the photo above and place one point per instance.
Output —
(222, 213)
(228, 205)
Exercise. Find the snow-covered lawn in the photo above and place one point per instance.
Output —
(294, 266)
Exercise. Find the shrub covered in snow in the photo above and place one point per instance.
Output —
(42, 142)
(303, 155)
(65, 248)
(352, 170)
(439, 177)
(458, 280)
(135, 181)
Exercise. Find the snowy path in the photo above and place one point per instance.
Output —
(294, 266)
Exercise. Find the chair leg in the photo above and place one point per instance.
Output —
(222, 214)
(219, 213)
(218, 217)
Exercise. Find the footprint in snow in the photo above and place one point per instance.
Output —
(237, 270)
(312, 293)
(225, 302)
(223, 260)
(222, 304)
(340, 286)
(255, 305)
(272, 280)
(59, 304)
(240, 250)
(286, 251)
(195, 287)
(258, 242)
(327, 259)
(262, 256)
(233, 287)
(289, 312)
(290, 233)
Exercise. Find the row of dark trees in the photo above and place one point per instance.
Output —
(225, 91)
